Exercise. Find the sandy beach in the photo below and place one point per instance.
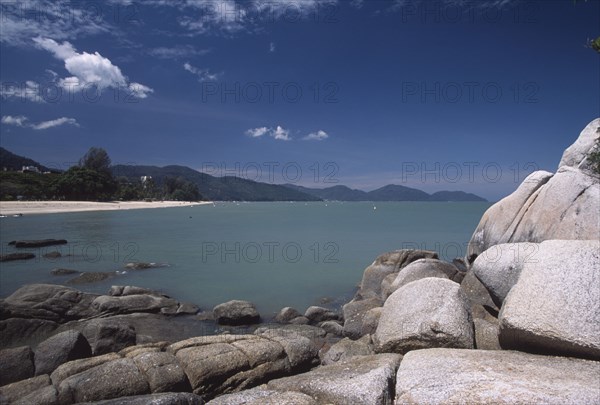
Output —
(52, 207)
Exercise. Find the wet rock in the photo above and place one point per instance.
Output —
(236, 313)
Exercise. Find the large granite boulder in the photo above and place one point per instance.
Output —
(361, 380)
(555, 305)
(11, 393)
(346, 348)
(163, 372)
(451, 376)
(59, 349)
(236, 312)
(386, 264)
(499, 267)
(78, 366)
(546, 206)
(431, 312)
(224, 364)
(115, 379)
(424, 268)
(16, 364)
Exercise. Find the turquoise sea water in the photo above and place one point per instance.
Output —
(273, 254)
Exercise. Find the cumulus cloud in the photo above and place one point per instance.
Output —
(18, 121)
(278, 133)
(316, 136)
(22, 121)
(89, 69)
(203, 74)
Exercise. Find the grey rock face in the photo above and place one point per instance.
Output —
(319, 314)
(555, 305)
(448, 376)
(360, 380)
(423, 268)
(128, 304)
(12, 392)
(171, 398)
(286, 315)
(163, 372)
(118, 378)
(346, 348)
(499, 267)
(16, 364)
(107, 335)
(431, 312)
(354, 315)
(388, 263)
(78, 366)
(486, 334)
(263, 396)
(59, 349)
(229, 363)
(577, 154)
(236, 313)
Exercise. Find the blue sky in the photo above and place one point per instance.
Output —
(438, 95)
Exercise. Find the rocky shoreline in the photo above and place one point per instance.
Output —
(516, 321)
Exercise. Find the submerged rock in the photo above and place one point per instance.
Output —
(91, 277)
(37, 243)
(63, 272)
(9, 257)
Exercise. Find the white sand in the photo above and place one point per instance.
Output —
(51, 207)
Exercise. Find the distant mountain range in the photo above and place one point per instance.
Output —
(387, 193)
(239, 189)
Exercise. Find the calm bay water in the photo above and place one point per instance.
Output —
(273, 254)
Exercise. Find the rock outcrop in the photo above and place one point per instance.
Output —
(449, 376)
(555, 305)
(546, 206)
(236, 313)
(431, 312)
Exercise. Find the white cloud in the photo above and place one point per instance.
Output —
(257, 132)
(290, 8)
(272, 47)
(177, 52)
(279, 133)
(55, 123)
(226, 15)
(398, 5)
(316, 136)
(89, 69)
(61, 19)
(29, 90)
(18, 121)
(203, 74)
(22, 121)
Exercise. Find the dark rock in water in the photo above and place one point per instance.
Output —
(286, 315)
(91, 277)
(144, 266)
(63, 272)
(38, 243)
(170, 398)
(52, 255)
(319, 314)
(236, 313)
(16, 256)
(106, 335)
(59, 349)
(187, 308)
(16, 364)
(129, 304)
(121, 291)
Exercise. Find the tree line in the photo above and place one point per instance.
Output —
(92, 180)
